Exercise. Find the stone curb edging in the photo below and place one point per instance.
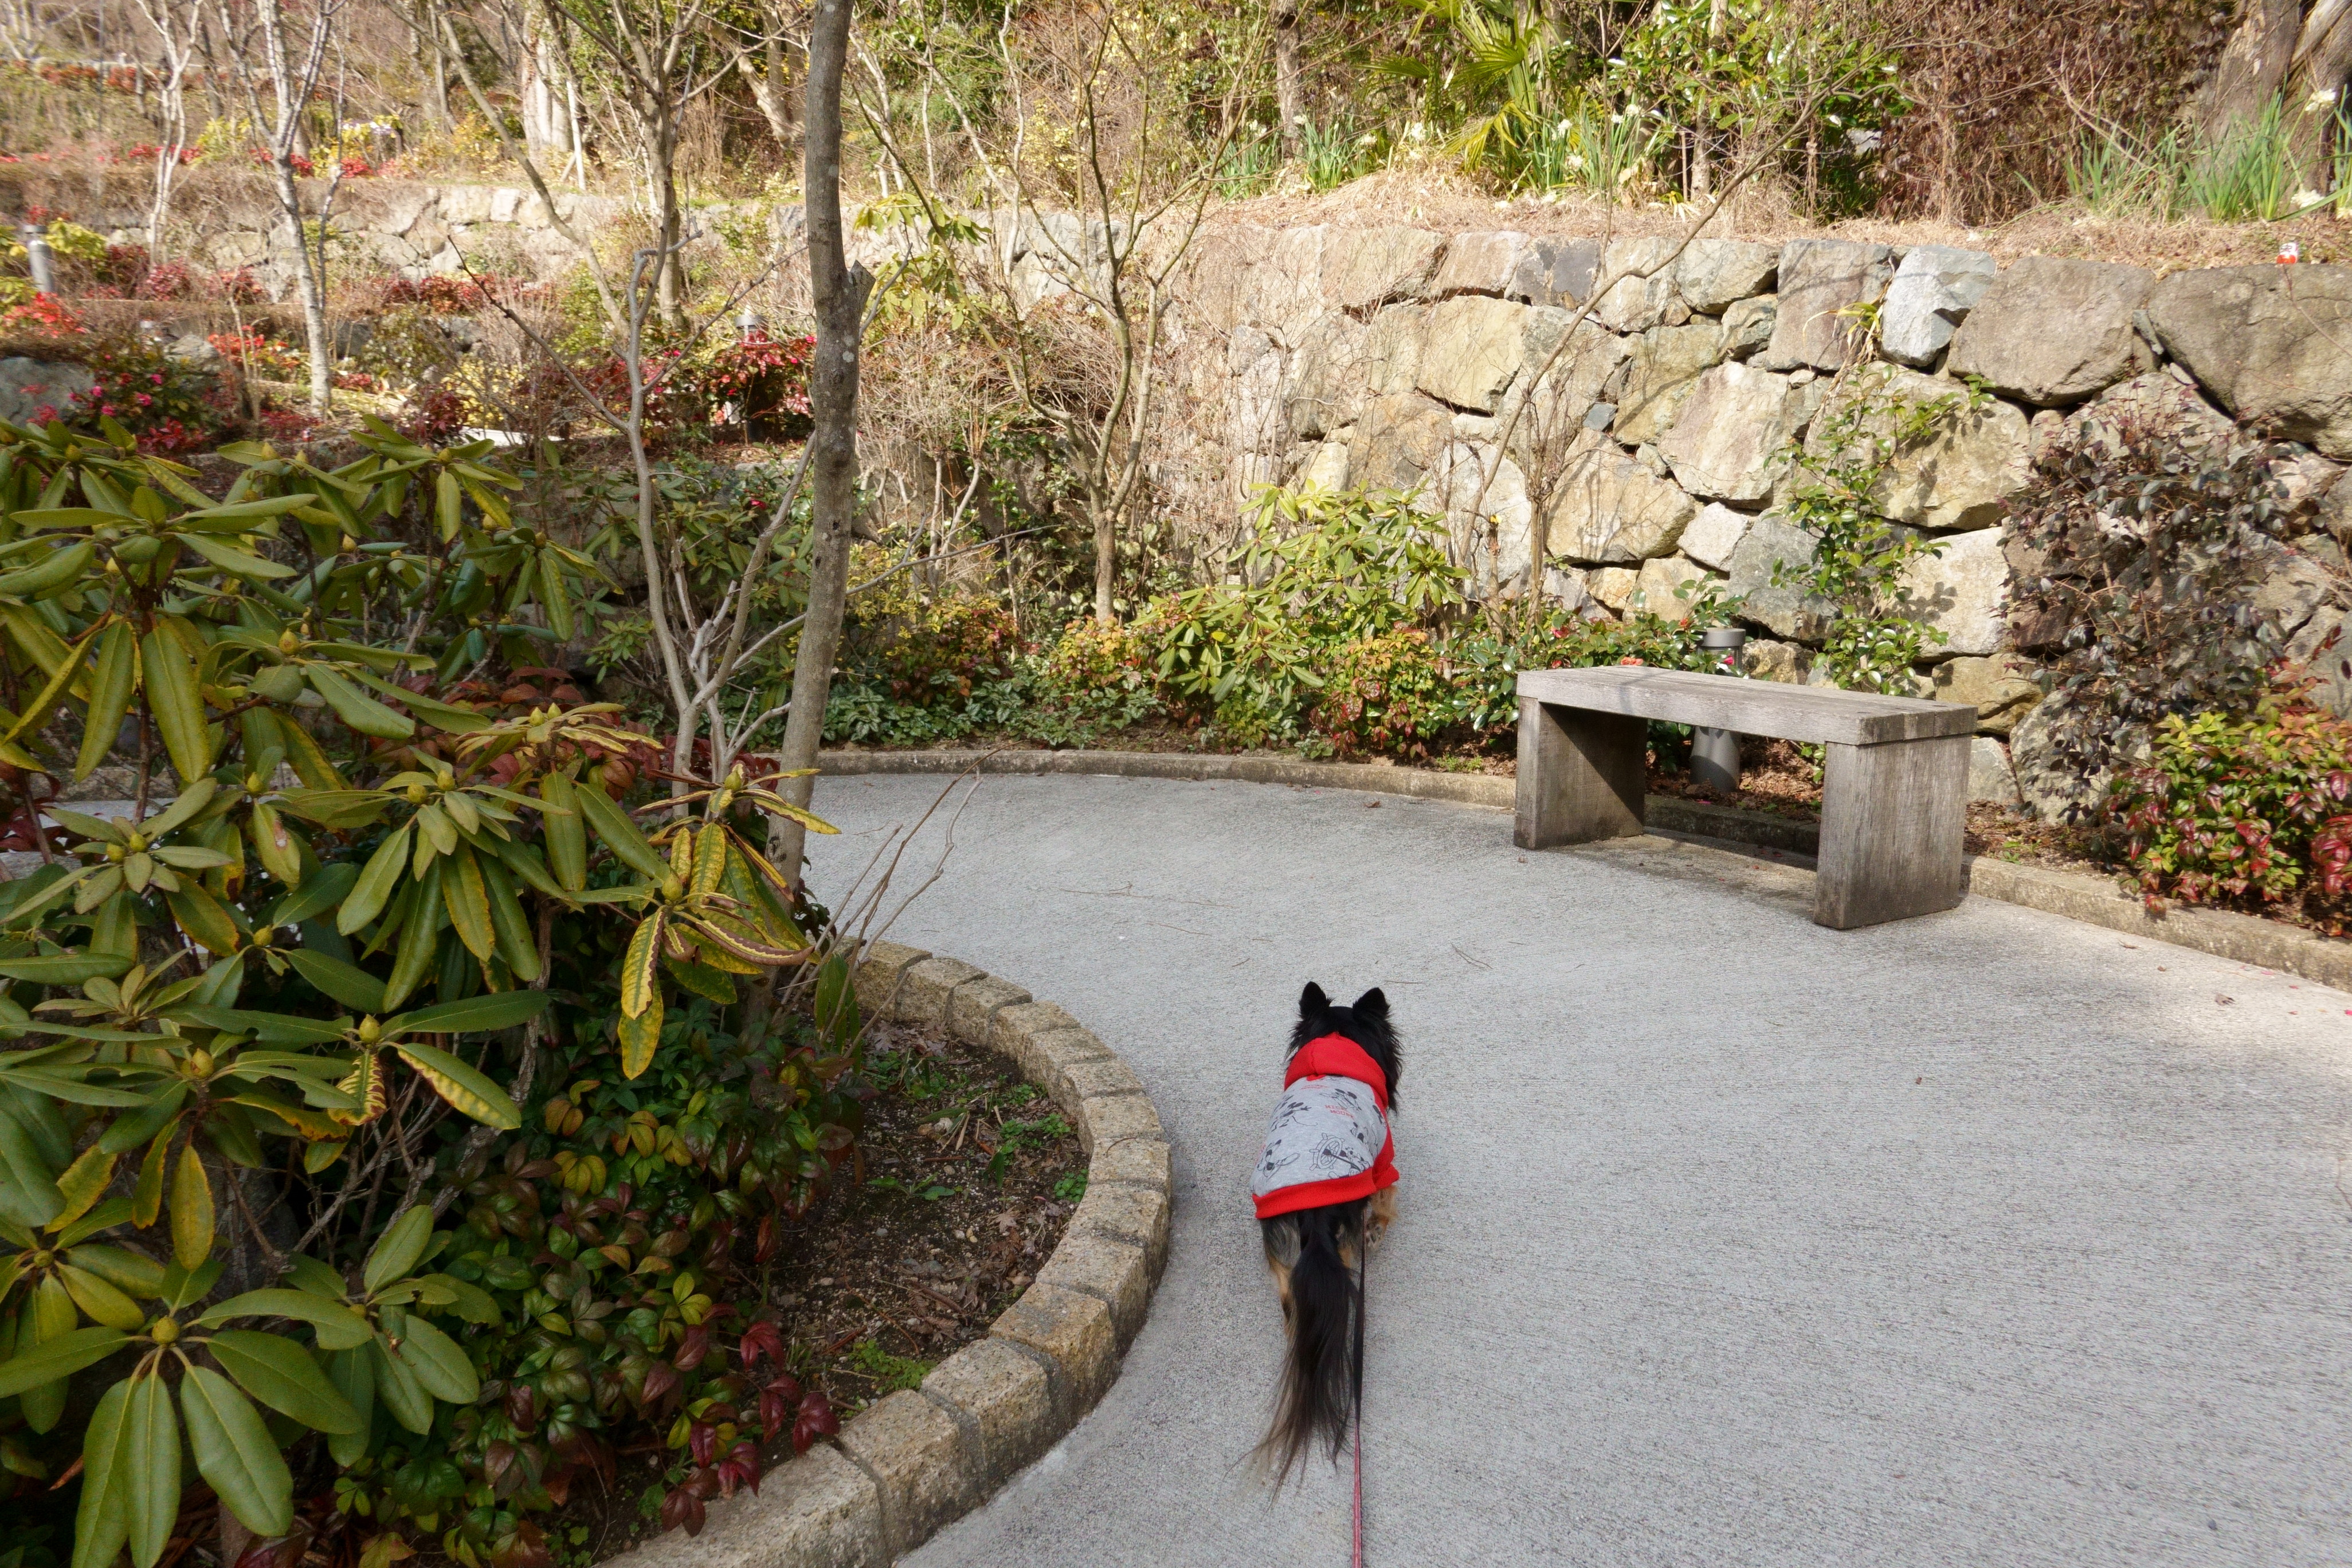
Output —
(912, 1462)
(2095, 900)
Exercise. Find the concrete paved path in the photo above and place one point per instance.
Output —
(1984, 1238)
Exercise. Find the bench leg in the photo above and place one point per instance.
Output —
(1892, 821)
(1583, 775)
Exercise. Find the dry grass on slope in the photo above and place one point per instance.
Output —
(1452, 203)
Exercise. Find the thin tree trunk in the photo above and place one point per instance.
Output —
(838, 293)
(769, 85)
(1702, 166)
(2316, 81)
(1106, 559)
(1290, 94)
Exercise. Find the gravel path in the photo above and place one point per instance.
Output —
(1983, 1238)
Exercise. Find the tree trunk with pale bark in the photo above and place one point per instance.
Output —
(839, 292)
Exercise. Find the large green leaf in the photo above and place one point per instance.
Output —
(402, 1394)
(398, 1250)
(330, 886)
(66, 969)
(374, 887)
(110, 694)
(468, 898)
(356, 708)
(100, 1301)
(173, 698)
(347, 984)
(28, 1183)
(236, 1454)
(511, 921)
(205, 919)
(132, 1272)
(567, 834)
(152, 1472)
(640, 1037)
(441, 1368)
(269, 1029)
(233, 560)
(475, 1015)
(51, 572)
(281, 1374)
(353, 1374)
(417, 948)
(620, 834)
(340, 1328)
(50, 1314)
(341, 809)
(190, 1209)
(183, 809)
(243, 513)
(102, 1521)
(462, 1084)
(55, 1358)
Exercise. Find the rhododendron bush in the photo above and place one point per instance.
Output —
(392, 1117)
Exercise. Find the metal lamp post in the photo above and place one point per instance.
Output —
(1715, 754)
(39, 260)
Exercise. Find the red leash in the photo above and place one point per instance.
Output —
(1363, 1259)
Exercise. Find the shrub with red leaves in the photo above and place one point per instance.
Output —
(170, 281)
(239, 284)
(2252, 811)
(761, 379)
(299, 163)
(44, 315)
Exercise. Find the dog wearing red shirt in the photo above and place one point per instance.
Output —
(1325, 1190)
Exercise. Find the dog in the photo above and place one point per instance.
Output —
(1325, 1190)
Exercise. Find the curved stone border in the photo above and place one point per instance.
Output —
(2095, 900)
(911, 1463)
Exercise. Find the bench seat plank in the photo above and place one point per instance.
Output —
(1821, 716)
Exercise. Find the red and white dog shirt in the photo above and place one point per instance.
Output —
(1328, 1141)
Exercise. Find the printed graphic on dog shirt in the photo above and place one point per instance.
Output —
(1324, 1129)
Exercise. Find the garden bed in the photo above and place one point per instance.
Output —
(966, 1177)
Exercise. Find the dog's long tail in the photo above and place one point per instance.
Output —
(1317, 1398)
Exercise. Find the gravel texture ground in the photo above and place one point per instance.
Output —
(1724, 1238)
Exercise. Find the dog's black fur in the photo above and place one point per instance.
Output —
(1316, 1254)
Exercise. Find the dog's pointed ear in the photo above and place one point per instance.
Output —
(1371, 1004)
(1312, 1002)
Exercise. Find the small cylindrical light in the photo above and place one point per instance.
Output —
(39, 260)
(751, 322)
(1715, 754)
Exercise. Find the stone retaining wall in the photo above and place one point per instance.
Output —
(411, 227)
(911, 1463)
(1656, 447)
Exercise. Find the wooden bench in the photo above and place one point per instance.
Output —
(1894, 789)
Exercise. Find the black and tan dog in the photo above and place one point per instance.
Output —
(1328, 1178)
